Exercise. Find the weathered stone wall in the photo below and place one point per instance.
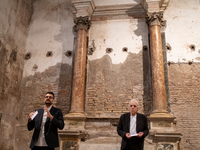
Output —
(115, 71)
(182, 31)
(182, 38)
(48, 63)
(110, 81)
(118, 70)
(184, 100)
(15, 17)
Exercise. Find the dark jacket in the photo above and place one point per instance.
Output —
(124, 126)
(50, 128)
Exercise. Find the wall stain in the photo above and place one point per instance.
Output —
(56, 78)
(197, 58)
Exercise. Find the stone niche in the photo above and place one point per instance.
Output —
(70, 140)
(167, 146)
(163, 133)
(70, 144)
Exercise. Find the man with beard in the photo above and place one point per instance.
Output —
(133, 128)
(46, 122)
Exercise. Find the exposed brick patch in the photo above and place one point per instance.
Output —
(110, 87)
(56, 79)
(64, 88)
(184, 84)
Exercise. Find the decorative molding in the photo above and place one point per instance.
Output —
(155, 18)
(154, 5)
(124, 9)
(70, 135)
(82, 23)
(83, 7)
(89, 8)
(173, 137)
(163, 24)
(164, 5)
(138, 9)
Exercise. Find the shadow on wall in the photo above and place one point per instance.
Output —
(64, 92)
(147, 83)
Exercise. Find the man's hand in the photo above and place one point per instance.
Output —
(48, 114)
(140, 134)
(128, 135)
(30, 115)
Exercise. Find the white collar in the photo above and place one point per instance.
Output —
(133, 116)
(49, 107)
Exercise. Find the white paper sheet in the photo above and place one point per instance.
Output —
(133, 134)
(34, 115)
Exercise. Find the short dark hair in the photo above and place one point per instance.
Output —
(50, 93)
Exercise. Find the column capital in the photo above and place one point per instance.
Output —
(155, 18)
(82, 23)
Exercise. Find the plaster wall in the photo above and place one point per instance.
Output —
(117, 34)
(108, 78)
(115, 77)
(50, 30)
(46, 67)
(183, 30)
(111, 76)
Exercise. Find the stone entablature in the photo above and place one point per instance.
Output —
(154, 5)
(135, 9)
(83, 7)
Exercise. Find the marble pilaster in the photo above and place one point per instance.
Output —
(158, 79)
(162, 124)
(74, 129)
(81, 27)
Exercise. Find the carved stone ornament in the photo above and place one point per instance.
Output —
(82, 23)
(155, 18)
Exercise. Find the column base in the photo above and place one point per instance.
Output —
(158, 115)
(74, 131)
(161, 122)
(163, 132)
(166, 140)
(75, 121)
(71, 139)
(75, 116)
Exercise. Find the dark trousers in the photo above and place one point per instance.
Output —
(135, 143)
(42, 148)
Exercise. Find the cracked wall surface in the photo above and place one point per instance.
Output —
(15, 18)
(50, 36)
(182, 34)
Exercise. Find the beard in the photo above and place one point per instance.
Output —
(48, 103)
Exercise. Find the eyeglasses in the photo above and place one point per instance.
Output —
(50, 97)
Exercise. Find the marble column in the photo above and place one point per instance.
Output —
(74, 130)
(157, 67)
(78, 88)
(162, 124)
